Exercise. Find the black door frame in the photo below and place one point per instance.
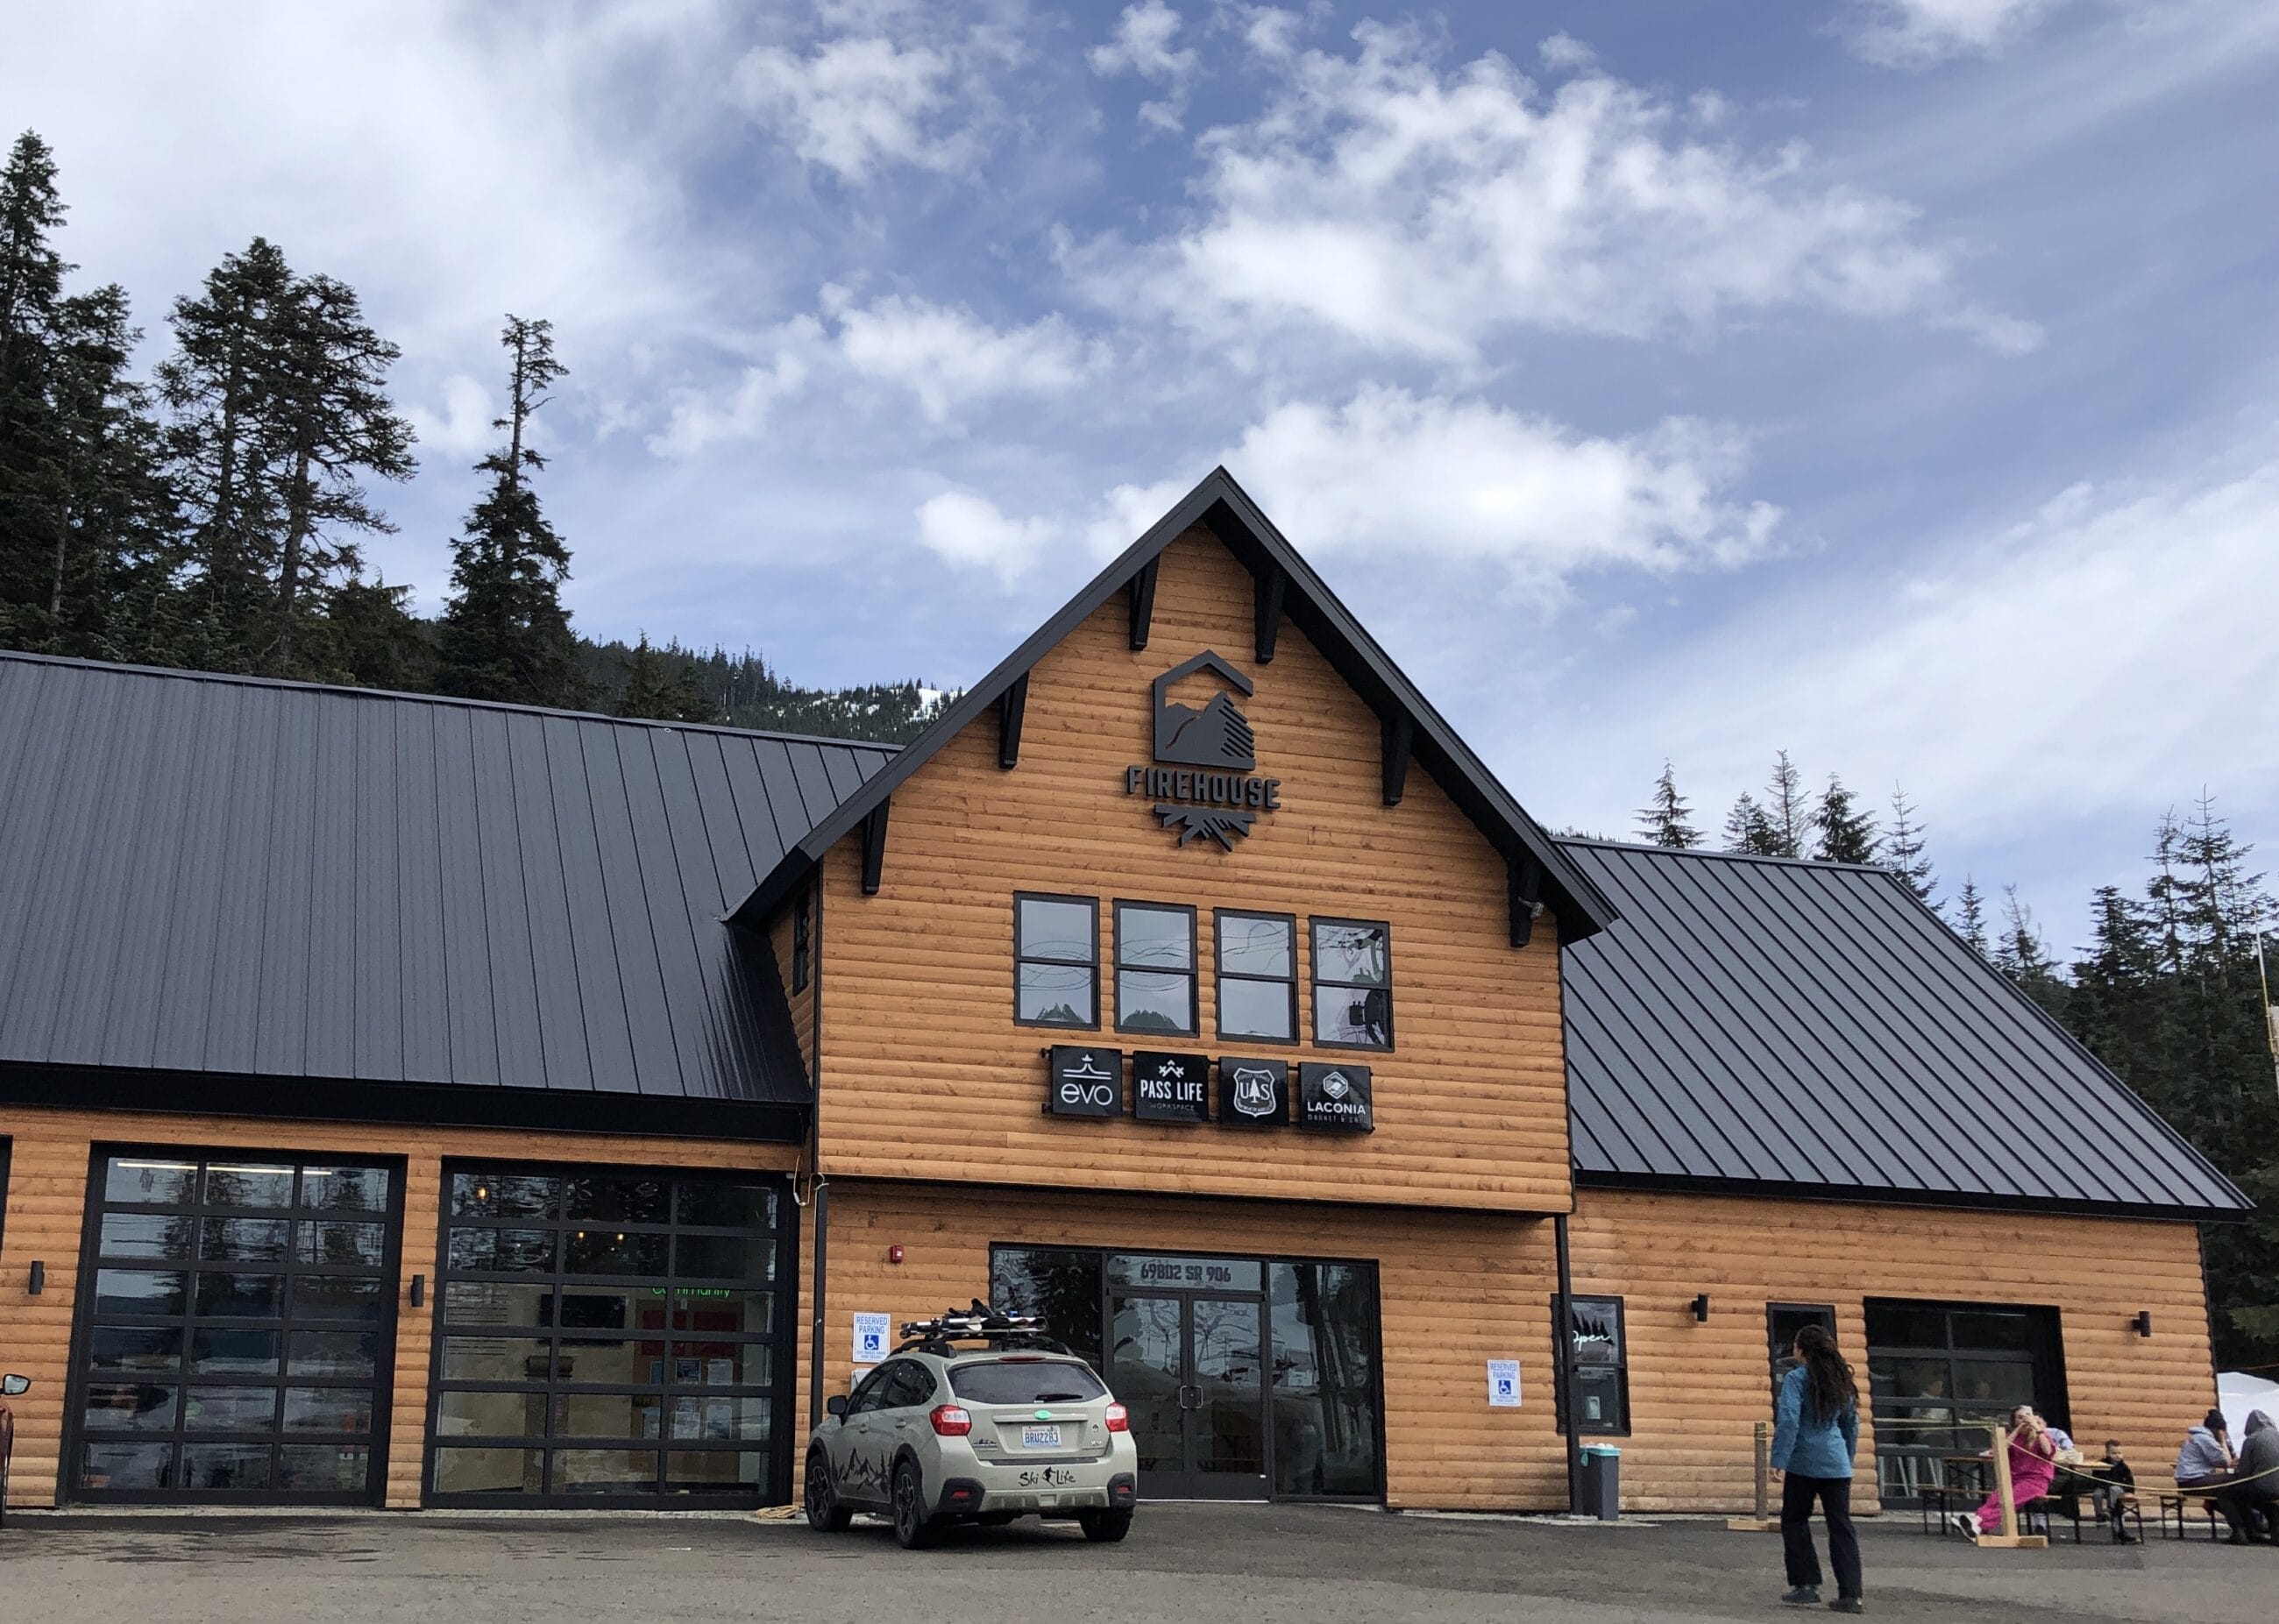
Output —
(1266, 1261)
(782, 1340)
(2046, 1355)
(1191, 1482)
(80, 1377)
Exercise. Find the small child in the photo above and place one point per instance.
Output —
(2116, 1493)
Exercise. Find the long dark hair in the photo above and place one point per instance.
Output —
(1829, 1387)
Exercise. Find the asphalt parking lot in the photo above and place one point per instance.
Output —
(1184, 1563)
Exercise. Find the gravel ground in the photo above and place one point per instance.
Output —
(1182, 1564)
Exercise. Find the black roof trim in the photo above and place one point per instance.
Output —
(1867, 1195)
(1221, 506)
(348, 691)
(444, 1104)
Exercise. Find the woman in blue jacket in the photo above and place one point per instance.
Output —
(1815, 1434)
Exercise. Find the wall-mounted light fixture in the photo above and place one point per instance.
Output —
(39, 1280)
(419, 1290)
(2143, 1322)
(1701, 1309)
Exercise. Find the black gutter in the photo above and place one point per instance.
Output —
(1562, 1359)
(821, 1204)
(444, 1104)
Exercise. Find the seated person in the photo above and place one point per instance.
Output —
(2033, 1466)
(2116, 1491)
(2205, 1462)
(2249, 1502)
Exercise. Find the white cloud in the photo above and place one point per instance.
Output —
(2104, 654)
(700, 419)
(854, 104)
(1141, 44)
(1390, 474)
(463, 427)
(1914, 34)
(947, 357)
(971, 532)
(1413, 212)
(1563, 53)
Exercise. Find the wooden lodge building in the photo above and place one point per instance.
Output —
(406, 1101)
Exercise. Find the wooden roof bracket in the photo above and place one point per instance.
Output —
(1143, 604)
(1398, 734)
(1270, 585)
(1525, 878)
(874, 846)
(1012, 706)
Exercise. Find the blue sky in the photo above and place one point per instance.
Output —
(1892, 381)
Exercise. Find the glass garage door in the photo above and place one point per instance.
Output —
(608, 1338)
(232, 1345)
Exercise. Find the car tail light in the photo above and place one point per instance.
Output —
(951, 1420)
(1119, 1418)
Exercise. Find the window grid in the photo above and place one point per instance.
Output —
(1241, 919)
(1341, 990)
(1060, 966)
(1149, 959)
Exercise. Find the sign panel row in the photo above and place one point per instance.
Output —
(1086, 1080)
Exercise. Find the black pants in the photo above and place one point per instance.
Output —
(2249, 1509)
(1835, 1497)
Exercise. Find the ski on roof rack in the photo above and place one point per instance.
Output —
(979, 1323)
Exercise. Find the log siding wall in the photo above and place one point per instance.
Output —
(47, 1203)
(925, 1075)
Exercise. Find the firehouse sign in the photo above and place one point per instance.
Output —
(1206, 785)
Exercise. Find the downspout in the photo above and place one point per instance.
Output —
(1562, 1348)
(822, 1191)
(819, 1210)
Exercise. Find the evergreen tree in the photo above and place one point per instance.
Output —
(1970, 917)
(2020, 955)
(31, 288)
(1784, 808)
(2118, 1004)
(1903, 849)
(376, 641)
(332, 422)
(1748, 830)
(221, 386)
(1842, 832)
(653, 689)
(1663, 821)
(505, 635)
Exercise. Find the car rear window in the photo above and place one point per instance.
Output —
(1049, 1381)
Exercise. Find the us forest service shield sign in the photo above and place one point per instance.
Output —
(1253, 1092)
(1334, 1096)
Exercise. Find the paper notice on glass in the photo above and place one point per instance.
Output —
(1503, 1383)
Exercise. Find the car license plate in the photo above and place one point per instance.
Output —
(1040, 1437)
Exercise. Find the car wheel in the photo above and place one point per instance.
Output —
(824, 1514)
(1104, 1527)
(914, 1529)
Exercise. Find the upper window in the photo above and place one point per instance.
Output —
(1257, 976)
(1597, 1346)
(1353, 984)
(1783, 1321)
(1156, 968)
(1056, 954)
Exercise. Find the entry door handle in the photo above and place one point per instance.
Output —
(1196, 1403)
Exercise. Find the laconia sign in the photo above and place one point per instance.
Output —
(1088, 1081)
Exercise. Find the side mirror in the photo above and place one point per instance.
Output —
(11, 1386)
(836, 1404)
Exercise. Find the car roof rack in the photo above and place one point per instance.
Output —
(979, 1323)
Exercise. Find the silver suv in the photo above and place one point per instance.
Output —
(1015, 1427)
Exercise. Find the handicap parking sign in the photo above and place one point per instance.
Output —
(1503, 1383)
(871, 1337)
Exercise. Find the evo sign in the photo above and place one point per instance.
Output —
(1084, 1081)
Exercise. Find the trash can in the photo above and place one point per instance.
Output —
(1602, 1481)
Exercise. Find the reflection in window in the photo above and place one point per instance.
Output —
(1257, 976)
(1154, 970)
(1595, 1345)
(1932, 1368)
(1353, 984)
(1056, 961)
(1325, 1379)
(1061, 1287)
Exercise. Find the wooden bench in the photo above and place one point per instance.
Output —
(2178, 1503)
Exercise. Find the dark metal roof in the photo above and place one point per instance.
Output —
(1761, 1024)
(226, 877)
(1222, 507)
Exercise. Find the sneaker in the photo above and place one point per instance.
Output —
(2122, 1537)
(1847, 1604)
(1966, 1525)
(1803, 1595)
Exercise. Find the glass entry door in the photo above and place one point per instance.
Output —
(1189, 1369)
